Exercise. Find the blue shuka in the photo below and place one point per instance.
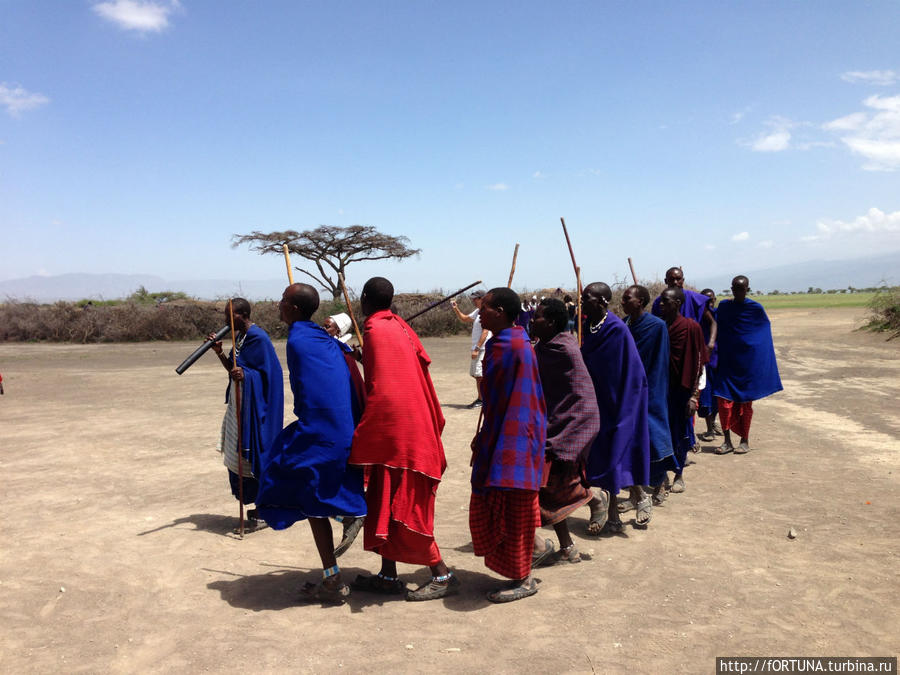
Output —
(620, 456)
(694, 306)
(651, 337)
(304, 473)
(747, 370)
(262, 394)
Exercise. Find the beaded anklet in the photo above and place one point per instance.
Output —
(331, 571)
(444, 578)
(385, 577)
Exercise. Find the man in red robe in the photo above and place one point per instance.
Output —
(687, 356)
(399, 440)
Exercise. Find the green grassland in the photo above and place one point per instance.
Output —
(814, 300)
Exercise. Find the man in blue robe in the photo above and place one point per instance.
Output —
(696, 306)
(304, 472)
(259, 374)
(620, 455)
(747, 368)
(651, 337)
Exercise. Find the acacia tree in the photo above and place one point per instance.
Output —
(331, 248)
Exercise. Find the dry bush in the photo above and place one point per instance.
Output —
(885, 312)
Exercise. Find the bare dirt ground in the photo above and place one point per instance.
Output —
(118, 555)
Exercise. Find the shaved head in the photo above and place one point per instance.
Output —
(740, 286)
(304, 297)
(377, 294)
(600, 289)
(674, 277)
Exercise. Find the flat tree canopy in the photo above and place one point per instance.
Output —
(331, 248)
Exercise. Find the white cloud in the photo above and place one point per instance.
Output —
(538, 175)
(340, 212)
(874, 134)
(709, 247)
(880, 78)
(740, 236)
(875, 221)
(736, 117)
(850, 122)
(777, 139)
(498, 187)
(138, 15)
(16, 99)
(768, 243)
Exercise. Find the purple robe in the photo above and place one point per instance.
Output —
(573, 419)
(620, 456)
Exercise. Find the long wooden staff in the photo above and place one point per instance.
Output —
(577, 278)
(237, 407)
(350, 310)
(287, 262)
(441, 301)
(512, 271)
(633, 275)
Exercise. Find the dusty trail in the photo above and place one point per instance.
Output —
(113, 492)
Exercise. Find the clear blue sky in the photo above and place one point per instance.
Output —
(137, 137)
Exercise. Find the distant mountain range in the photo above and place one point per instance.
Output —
(824, 274)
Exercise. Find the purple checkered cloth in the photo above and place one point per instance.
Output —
(509, 451)
(573, 419)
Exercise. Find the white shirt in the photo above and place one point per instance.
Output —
(476, 331)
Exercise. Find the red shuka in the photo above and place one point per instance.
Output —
(687, 352)
(399, 430)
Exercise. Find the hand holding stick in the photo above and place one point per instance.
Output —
(441, 301)
(237, 408)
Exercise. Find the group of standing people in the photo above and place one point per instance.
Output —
(557, 419)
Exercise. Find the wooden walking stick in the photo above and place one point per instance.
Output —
(578, 306)
(441, 301)
(287, 262)
(513, 270)
(577, 278)
(350, 310)
(237, 408)
(633, 275)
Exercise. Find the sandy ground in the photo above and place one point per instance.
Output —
(118, 555)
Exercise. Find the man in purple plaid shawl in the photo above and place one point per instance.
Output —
(508, 451)
(573, 421)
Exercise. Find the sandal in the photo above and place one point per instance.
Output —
(707, 436)
(250, 525)
(659, 495)
(742, 449)
(436, 588)
(613, 527)
(351, 529)
(677, 485)
(643, 513)
(378, 583)
(513, 593)
(569, 554)
(724, 449)
(545, 558)
(321, 593)
(625, 505)
(598, 519)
